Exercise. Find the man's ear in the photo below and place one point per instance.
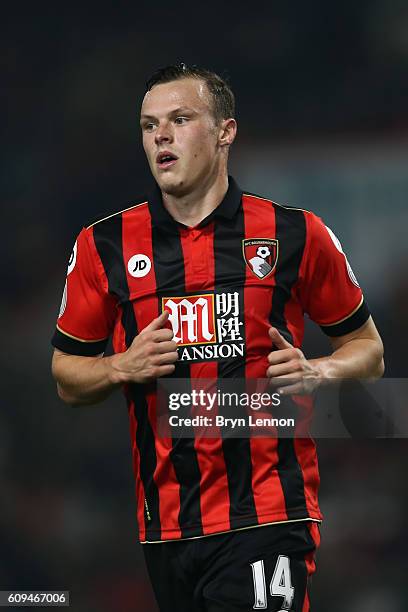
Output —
(227, 132)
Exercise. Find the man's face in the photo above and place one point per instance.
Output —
(180, 137)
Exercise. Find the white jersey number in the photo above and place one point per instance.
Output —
(281, 584)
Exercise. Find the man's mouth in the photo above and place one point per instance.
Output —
(165, 159)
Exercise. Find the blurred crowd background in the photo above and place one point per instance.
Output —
(321, 92)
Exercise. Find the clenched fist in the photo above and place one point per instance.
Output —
(152, 354)
(289, 369)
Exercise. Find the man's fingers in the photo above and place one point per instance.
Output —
(158, 322)
(166, 358)
(280, 356)
(162, 335)
(278, 340)
(288, 368)
(168, 346)
(164, 370)
(295, 389)
(284, 382)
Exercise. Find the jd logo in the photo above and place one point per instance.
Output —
(139, 265)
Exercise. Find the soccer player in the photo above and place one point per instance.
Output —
(202, 280)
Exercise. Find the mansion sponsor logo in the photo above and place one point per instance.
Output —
(206, 327)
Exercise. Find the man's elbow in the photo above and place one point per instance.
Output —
(379, 366)
(59, 375)
(67, 398)
(72, 399)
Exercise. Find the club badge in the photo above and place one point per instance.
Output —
(261, 255)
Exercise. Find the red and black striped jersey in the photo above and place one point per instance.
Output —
(249, 265)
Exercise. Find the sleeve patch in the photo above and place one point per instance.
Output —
(72, 259)
(64, 300)
(338, 246)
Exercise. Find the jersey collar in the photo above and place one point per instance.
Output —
(227, 209)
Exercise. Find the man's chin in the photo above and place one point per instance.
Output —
(171, 186)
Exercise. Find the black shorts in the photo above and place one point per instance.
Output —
(262, 568)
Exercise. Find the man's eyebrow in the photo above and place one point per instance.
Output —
(176, 111)
(143, 116)
(182, 109)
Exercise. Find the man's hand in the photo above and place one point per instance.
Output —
(289, 369)
(89, 380)
(152, 354)
(358, 354)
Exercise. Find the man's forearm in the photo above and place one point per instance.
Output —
(358, 354)
(83, 380)
(358, 358)
(89, 380)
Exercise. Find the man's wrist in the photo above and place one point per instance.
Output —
(324, 368)
(114, 373)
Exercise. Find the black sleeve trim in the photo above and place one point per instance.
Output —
(356, 320)
(76, 347)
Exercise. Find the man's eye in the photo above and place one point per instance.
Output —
(148, 127)
(180, 120)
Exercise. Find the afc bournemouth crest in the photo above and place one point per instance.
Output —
(261, 255)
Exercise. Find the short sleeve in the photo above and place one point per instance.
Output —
(87, 312)
(329, 292)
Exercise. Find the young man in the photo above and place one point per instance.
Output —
(227, 524)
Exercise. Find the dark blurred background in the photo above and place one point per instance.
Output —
(321, 92)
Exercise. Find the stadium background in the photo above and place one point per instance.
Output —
(321, 94)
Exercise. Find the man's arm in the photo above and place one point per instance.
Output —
(82, 380)
(358, 354)
(89, 380)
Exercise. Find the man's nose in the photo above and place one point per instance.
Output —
(163, 133)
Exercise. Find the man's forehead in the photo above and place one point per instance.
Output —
(176, 94)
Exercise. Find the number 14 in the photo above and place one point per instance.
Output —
(281, 584)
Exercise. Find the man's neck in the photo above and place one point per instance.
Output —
(192, 208)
